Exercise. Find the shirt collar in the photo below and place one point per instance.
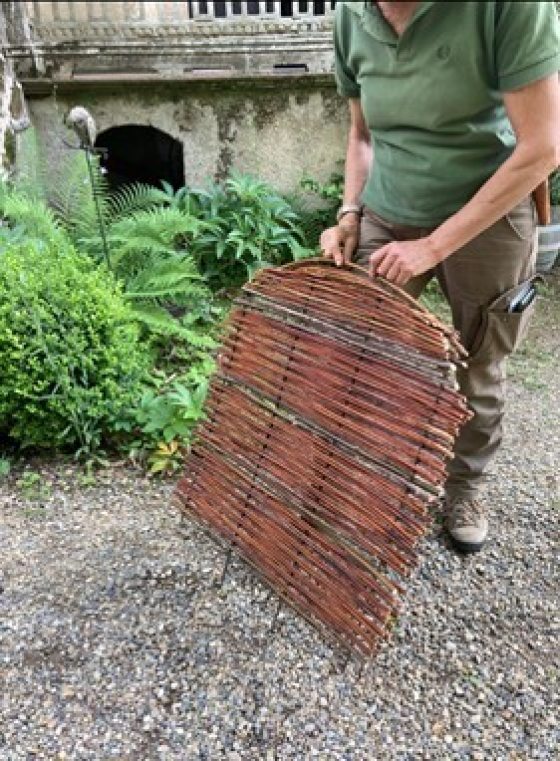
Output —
(375, 24)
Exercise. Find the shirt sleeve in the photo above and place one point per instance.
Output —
(345, 78)
(527, 43)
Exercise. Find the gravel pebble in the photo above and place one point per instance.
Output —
(116, 641)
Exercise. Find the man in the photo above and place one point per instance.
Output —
(461, 102)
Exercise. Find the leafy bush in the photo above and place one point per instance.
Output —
(317, 210)
(170, 253)
(166, 416)
(146, 241)
(172, 415)
(246, 225)
(70, 361)
(166, 295)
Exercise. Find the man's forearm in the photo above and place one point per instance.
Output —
(534, 112)
(359, 156)
(399, 261)
(514, 180)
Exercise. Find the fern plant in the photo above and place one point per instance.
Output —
(160, 279)
(130, 199)
(145, 237)
(31, 174)
(26, 217)
(66, 187)
(146, 240)
(72, 197)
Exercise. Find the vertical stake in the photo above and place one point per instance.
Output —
(275, 617)
(273, 628)
(226, 566)
(339, 660)
(100, 221)
(360, 670)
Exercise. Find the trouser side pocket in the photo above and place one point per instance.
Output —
(504, 323)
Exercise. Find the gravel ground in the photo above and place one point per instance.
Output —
(117, 642)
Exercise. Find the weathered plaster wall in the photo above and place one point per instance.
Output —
(13, 111)
(278, 133)
(6, 79)
(252, 93)
(6, 82)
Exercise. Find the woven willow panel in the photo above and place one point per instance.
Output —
(329, 424)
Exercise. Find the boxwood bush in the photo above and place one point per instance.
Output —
(70, 361)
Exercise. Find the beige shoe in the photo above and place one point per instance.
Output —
(466, 524)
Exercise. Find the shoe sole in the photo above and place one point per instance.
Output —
(467, 548)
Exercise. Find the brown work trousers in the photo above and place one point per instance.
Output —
(479, 281)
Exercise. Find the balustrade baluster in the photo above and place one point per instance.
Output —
(201, 9)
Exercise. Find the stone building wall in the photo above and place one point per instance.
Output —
(253, 93)
(6, 79)
(252, 90)
(276, 133)
(13, 111)
(6, 83)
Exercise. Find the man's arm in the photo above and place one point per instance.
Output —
(339, 242)
(358, 154)
(534, 112)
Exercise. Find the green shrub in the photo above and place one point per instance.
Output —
(246, 225)
(168, 252)
(177, 315)
(317, 210)
(172, 415)
(70, 361)
(163, 422)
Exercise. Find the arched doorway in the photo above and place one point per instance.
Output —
(134, 153)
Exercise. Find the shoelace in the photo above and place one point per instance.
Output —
(466, 512)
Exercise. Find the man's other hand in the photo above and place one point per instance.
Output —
(400, 261)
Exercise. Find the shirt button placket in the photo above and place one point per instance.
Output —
(402, 51)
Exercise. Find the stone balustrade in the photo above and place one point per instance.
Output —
(176, 11)
(180, 39)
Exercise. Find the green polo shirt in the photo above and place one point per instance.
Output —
(432, 98)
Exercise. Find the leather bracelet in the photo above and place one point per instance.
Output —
(349, 208)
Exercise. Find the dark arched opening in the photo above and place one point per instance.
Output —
(141, 154)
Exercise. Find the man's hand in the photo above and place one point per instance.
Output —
(340, 242)
(400, 261)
